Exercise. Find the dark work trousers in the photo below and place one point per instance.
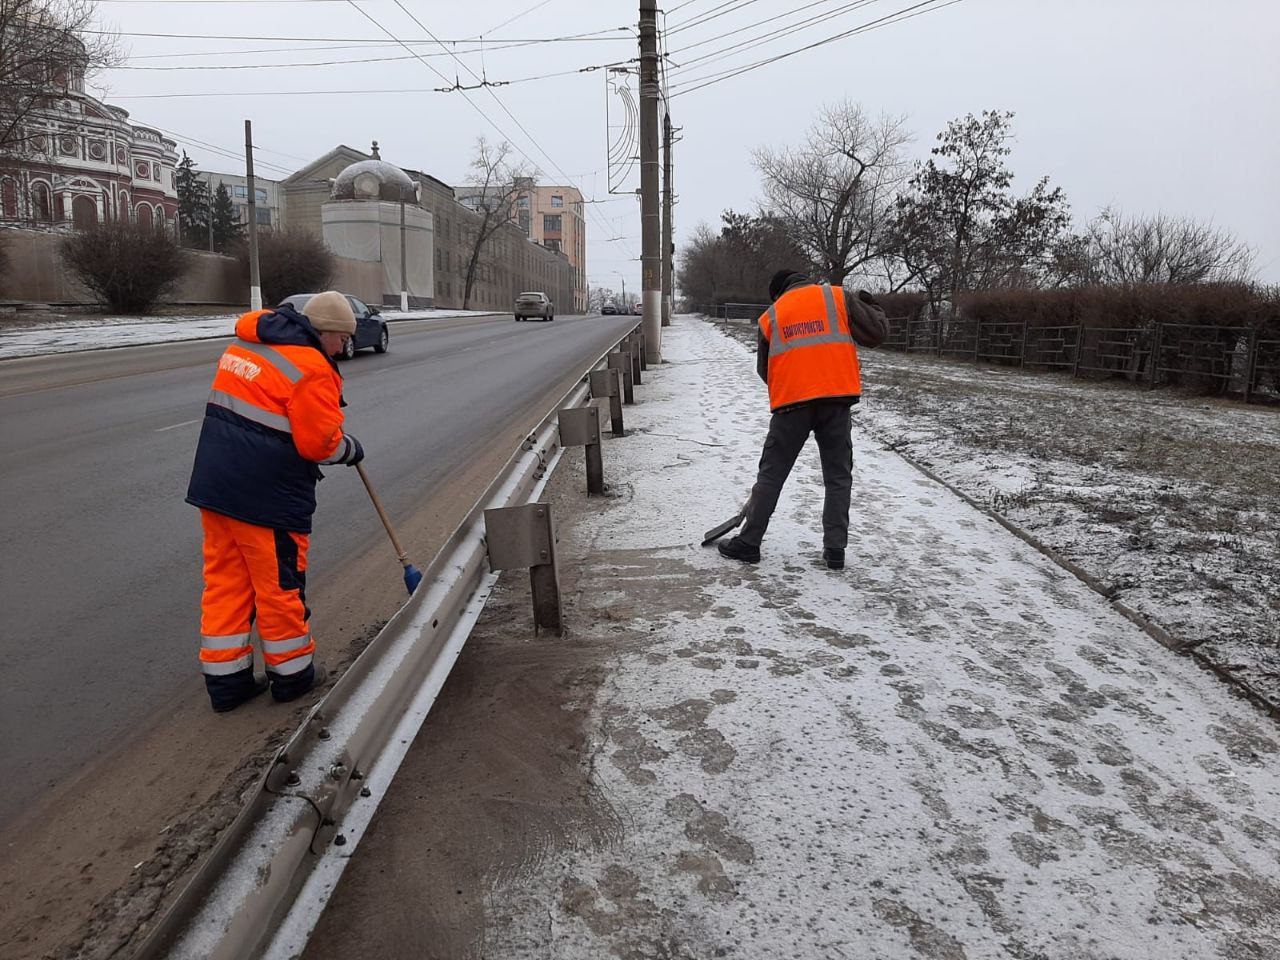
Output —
(829, 422)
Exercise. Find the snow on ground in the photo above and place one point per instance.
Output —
(952, 749)
(64, 334)
(1170, 500)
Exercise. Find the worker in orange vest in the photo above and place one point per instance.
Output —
(807, 353)
(273, 416)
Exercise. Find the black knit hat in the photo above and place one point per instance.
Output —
(780, 281)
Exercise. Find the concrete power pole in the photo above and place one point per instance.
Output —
(668, 279)
(650, 218)
(255, 280)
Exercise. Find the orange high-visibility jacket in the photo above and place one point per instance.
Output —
(273, 414)
(811, 350)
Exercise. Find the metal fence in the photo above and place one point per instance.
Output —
(1223, 360)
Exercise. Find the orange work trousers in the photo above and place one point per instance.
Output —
(253, 574)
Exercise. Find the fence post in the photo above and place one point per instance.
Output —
(1251, 367)
(977, 339)
(1022, 355)
(937, 337)
(1154, 374)
(1075, 361)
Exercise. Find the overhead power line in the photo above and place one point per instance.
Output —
(522, 13)
(579, 37)
(906, 13)
(465, 94)
(776, 33)
(732, 7)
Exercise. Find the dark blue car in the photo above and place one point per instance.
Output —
(371, 329)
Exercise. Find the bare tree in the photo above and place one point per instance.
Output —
(1158, 248)
(493, 195)
(835, 192)
(47, 48)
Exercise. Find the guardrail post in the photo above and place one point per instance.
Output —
(580, 427)
(640, 346)
(621, 361)
(608, 383)
(635, 346)
(525, 536)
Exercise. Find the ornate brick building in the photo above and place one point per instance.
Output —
(85, 163)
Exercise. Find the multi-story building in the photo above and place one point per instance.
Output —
(552, 217)
(266, 192)
(83, 162)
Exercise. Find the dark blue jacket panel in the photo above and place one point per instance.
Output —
(252, 473)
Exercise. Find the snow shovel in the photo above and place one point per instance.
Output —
(718, 531)
(412, 575)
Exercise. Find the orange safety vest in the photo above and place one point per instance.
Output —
(811, 350)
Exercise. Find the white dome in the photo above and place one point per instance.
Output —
(372, 180)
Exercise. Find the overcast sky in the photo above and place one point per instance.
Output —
(1149, 105)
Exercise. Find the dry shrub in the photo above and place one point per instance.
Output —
(128, 266)
(907, 306)
(289, 262)
(1137, 306)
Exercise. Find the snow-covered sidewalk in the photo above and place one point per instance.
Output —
(96, 333)
(951, 749)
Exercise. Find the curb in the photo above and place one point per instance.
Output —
(1148, 626)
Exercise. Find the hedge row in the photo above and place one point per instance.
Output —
(1134, 307)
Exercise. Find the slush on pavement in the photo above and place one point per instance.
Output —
(951, 749)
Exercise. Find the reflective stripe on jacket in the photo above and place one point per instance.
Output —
(812, 355)
(273, 413)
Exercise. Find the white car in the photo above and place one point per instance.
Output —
(534, 304)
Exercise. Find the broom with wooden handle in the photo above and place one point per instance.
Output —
(412, 575)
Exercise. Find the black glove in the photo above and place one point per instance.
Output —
(868, 298)
(349, 453)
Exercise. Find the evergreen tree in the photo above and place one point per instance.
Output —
(193, 203)
(227, 228)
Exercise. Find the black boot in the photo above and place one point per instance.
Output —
(227, 700)
(284, 689)
(735, 548)
(834, 557)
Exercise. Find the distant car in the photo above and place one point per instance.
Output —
(638, 309)
(534, 304)
(608, 309)
(371, 329)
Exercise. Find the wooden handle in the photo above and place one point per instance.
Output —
(382, 515)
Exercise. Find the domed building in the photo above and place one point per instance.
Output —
(372, 212)
(82, 162)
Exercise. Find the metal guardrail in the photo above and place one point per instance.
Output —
(262, 887)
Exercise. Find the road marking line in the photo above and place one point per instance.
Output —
(175, 426)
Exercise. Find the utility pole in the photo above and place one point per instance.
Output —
(208, 192)
(255, 280)
(650, 218)
(404, 274)
(668, 285)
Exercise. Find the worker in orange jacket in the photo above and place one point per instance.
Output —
(273, 416)
(807, 353)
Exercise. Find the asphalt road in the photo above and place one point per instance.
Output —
(99, 555)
